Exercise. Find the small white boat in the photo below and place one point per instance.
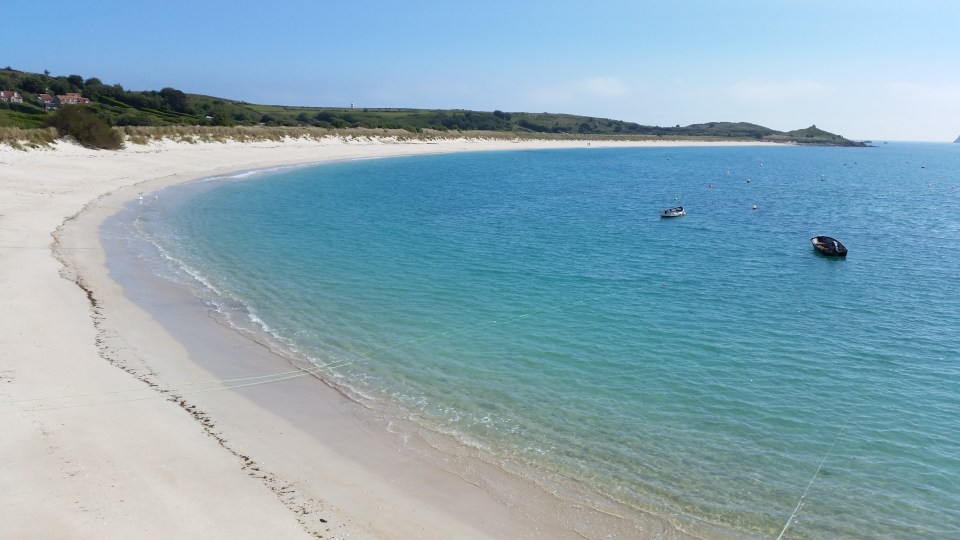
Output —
(673, 212)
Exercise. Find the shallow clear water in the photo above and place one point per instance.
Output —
(706, 368)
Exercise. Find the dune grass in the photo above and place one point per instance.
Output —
(194, 134)
(141, 135)
(22, 139)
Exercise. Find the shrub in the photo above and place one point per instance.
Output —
(85, 127)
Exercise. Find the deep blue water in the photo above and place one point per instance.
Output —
(711, 369)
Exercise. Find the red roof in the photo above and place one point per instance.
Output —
(72, 97)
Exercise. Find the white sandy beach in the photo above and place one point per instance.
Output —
(92, 446)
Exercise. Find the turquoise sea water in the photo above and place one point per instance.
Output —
(711, 369)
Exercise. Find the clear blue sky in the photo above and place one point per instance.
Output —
(865, 69)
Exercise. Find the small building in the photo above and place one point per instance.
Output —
(73, 98)
(48, 101)
(10, 96)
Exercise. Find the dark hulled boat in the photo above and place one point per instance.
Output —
(829, 246)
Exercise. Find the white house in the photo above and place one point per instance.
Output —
(10, 96)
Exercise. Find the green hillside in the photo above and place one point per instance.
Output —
(169, 106)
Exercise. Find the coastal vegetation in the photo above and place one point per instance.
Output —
(85, 127)
(145, 115)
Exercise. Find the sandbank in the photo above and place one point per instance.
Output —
(107, 431)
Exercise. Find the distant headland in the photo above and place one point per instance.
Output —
(31, 101)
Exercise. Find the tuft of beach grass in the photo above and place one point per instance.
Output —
(24, 139)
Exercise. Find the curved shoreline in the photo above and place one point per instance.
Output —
(85, 470)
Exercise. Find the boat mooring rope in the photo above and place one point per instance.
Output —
(76, 400)
(796, 511)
